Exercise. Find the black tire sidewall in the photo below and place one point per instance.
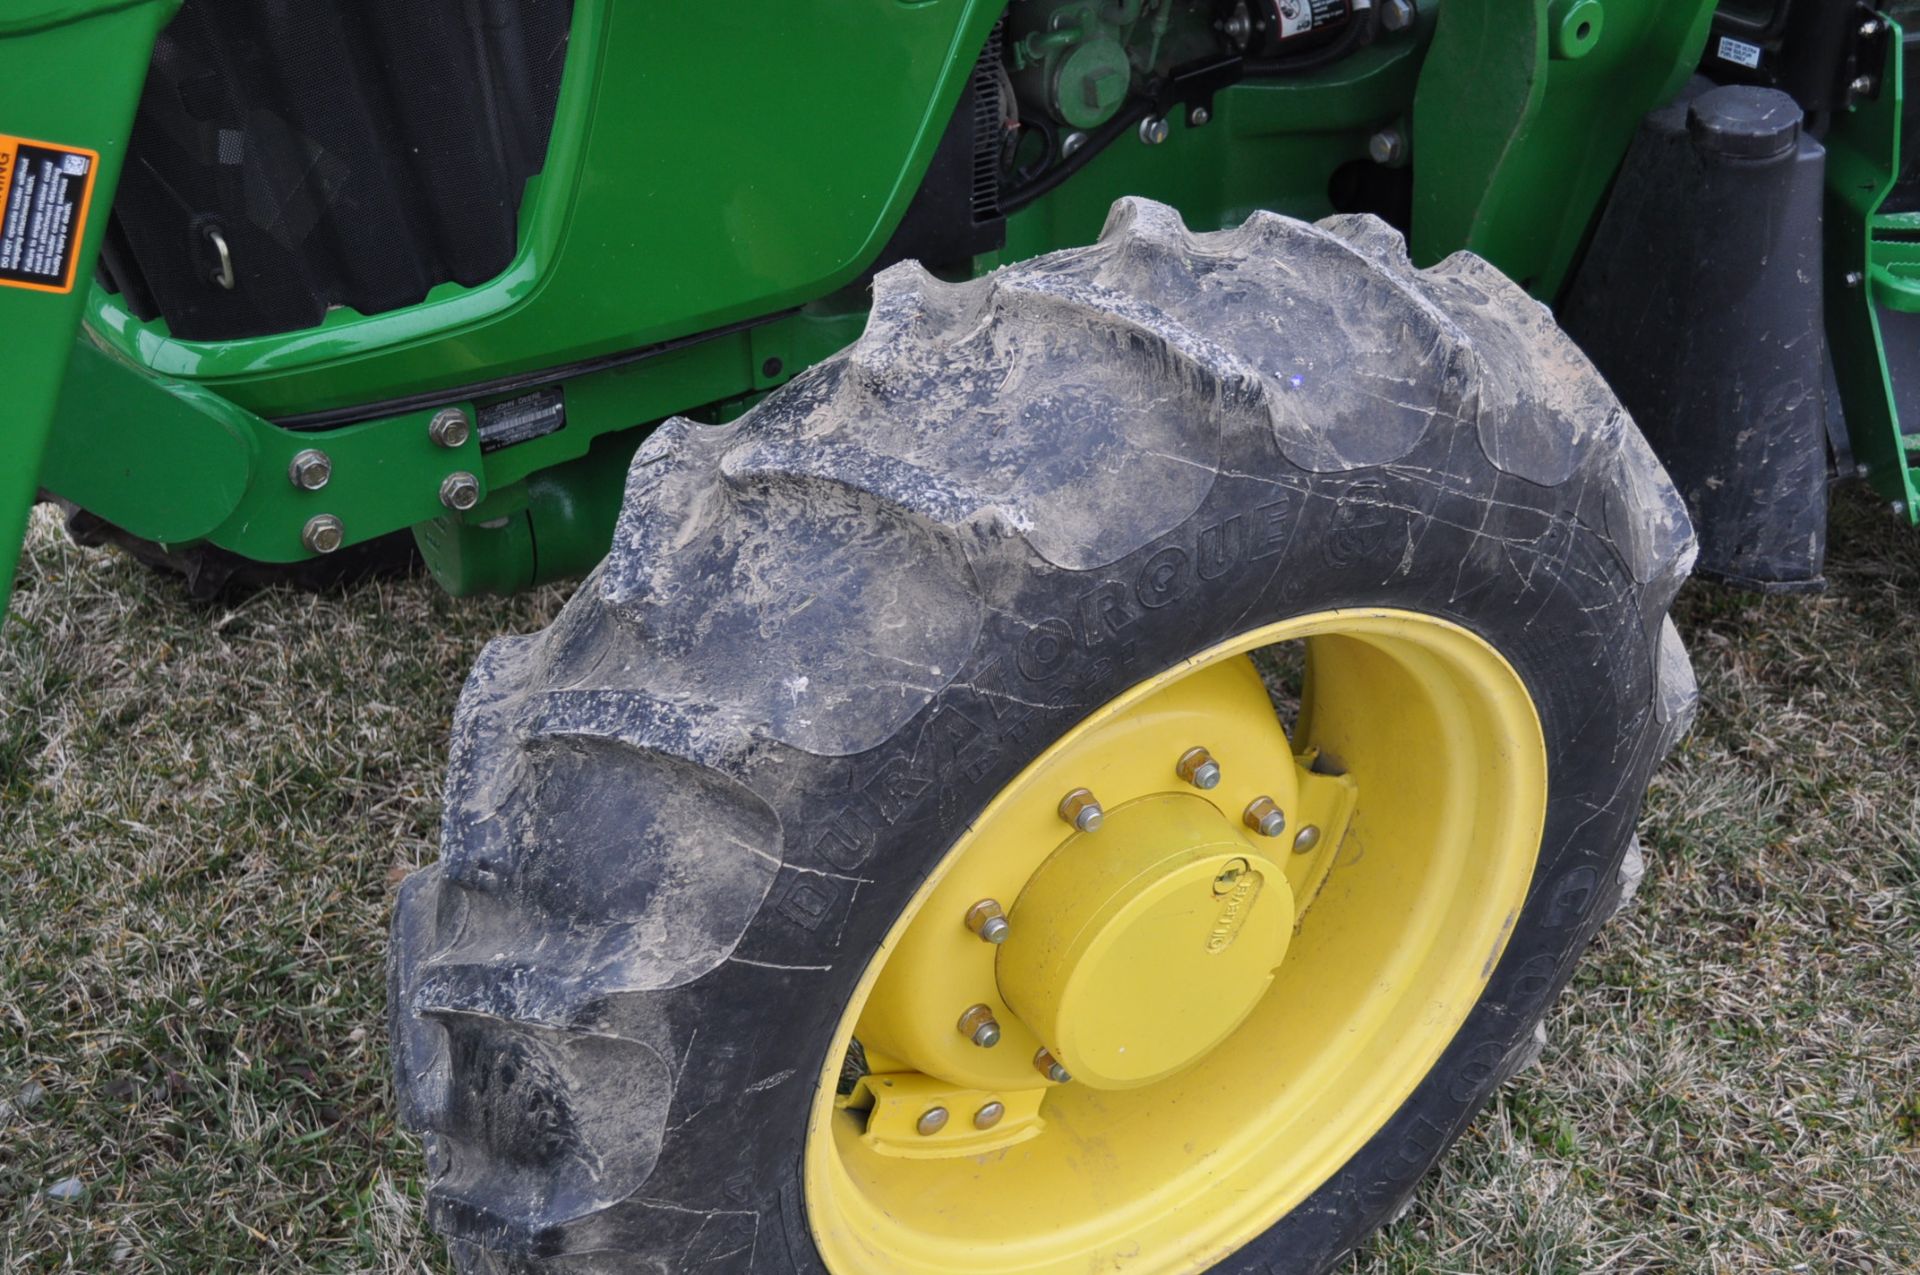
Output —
(1443, 532)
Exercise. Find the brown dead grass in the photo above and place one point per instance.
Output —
(204, 812)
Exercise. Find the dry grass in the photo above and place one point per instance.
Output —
(204, 812)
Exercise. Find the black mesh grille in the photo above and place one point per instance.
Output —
(347, 152)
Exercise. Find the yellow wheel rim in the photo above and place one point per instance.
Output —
(1237, 1012)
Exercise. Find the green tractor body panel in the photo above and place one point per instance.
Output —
(716, 189)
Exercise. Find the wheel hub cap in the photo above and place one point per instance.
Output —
(1138, 948)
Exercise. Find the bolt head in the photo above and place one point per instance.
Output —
(1154, 130)
(1862, 85)
(1264, 817)
(1080, 809)
(1398, 15)
(460, 491)
(310, 470)
(1870, 28)
(1305, 840)
(988, 920)
(989, 1115)
(449, 427)
(979, 1026)
(1861, 471)
(931, 1121)
(1071, 143)
(1198, 768)
(1198, 117)
(1855, 278)
(1049, 1066)
(1388, 148)
(323, 533)
(1898, 508)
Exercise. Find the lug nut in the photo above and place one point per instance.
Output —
(1306, 839)
(323, 533)
(931, 1121)
(1049, 1066)
(310, 469)
(1080, 809)
(986, 919)
(1154, 130)
(1264, 817)
(1198, 768)
(979, 1026)
(1388, 148)
(460, 491)
(449, 427)
(989, 1115)
(1398, 15)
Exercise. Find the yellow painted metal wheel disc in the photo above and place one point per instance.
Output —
(1210, 992)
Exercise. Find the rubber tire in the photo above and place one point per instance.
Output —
(680, 820)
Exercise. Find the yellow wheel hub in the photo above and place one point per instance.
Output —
(1183, 966)
(1138, 947)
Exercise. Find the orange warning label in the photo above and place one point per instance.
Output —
(44, 193)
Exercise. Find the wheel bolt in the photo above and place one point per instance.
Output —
(1198, 768)
(1306, 839)
(1049, 1066)
(323, 534)
(979, 1026)
(1265, 818)
(931, 1121)
(989, 1115)
(449, 428)
(310, 470)
(1081, 810)
(986, 919)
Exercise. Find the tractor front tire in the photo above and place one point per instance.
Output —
(687, 985)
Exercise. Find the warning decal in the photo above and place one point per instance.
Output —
(44, 191)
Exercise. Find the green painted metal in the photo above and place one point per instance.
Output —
(669, 207)
(1870, 260)
(49, 48)
(1520, 122)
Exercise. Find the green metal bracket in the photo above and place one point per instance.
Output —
(1872, 260)
(47, 48)
(1522, 115)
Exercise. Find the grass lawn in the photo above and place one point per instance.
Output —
(204, 813)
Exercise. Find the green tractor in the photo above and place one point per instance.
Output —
(1127, 548)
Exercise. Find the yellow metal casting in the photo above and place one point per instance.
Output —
(1238, 1012)
(1138, 948)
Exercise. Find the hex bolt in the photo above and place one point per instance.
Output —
(979, 1026)
(1198, 117)
(989, 920)
(931, 1121)
(1047, 1065)
(1306, 839)
(1081, 810)
(1398, 15)
(1071, 143)
(1198, 768)
(1264, 817)
(309, 470)
(449, 428)
(323, 533)
(1154, 130)
(460, 491)
(989, 1115)
(1388, 148)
